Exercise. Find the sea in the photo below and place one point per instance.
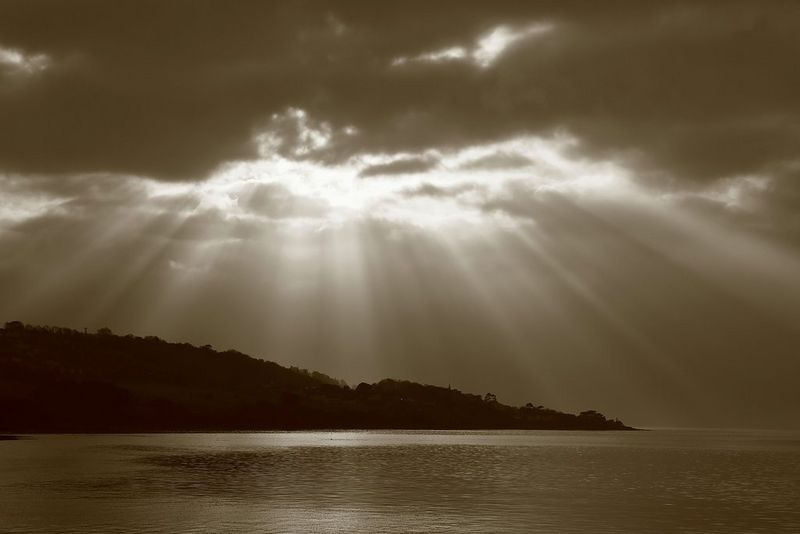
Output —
(660, 480)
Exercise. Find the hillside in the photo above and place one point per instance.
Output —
(61, 380)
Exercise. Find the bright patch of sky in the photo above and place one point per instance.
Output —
(484, 53)
(22, 62)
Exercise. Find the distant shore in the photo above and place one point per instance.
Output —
(28, 435)
(62, 380)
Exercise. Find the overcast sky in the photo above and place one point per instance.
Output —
(578, 204)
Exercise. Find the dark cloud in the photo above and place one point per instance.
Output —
(680, 91)
(686, 89)
(400, 166)
(172, 90)
(436, 191)
(498, 161)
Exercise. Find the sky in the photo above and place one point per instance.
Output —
(576, 204)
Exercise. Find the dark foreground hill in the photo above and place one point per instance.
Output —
(62, 380)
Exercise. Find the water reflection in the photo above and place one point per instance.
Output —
(404, 482)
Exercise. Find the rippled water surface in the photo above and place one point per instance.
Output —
(657, 481)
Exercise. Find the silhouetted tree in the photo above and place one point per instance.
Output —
(592, 415)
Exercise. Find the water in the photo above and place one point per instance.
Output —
(529, 481)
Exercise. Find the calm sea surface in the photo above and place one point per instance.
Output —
(529, 481)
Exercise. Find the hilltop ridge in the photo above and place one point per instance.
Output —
(56, 379)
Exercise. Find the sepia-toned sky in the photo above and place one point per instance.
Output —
(578, 204)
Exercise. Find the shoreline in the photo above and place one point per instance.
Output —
(12, 437)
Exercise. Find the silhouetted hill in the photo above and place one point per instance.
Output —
(61, 380)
